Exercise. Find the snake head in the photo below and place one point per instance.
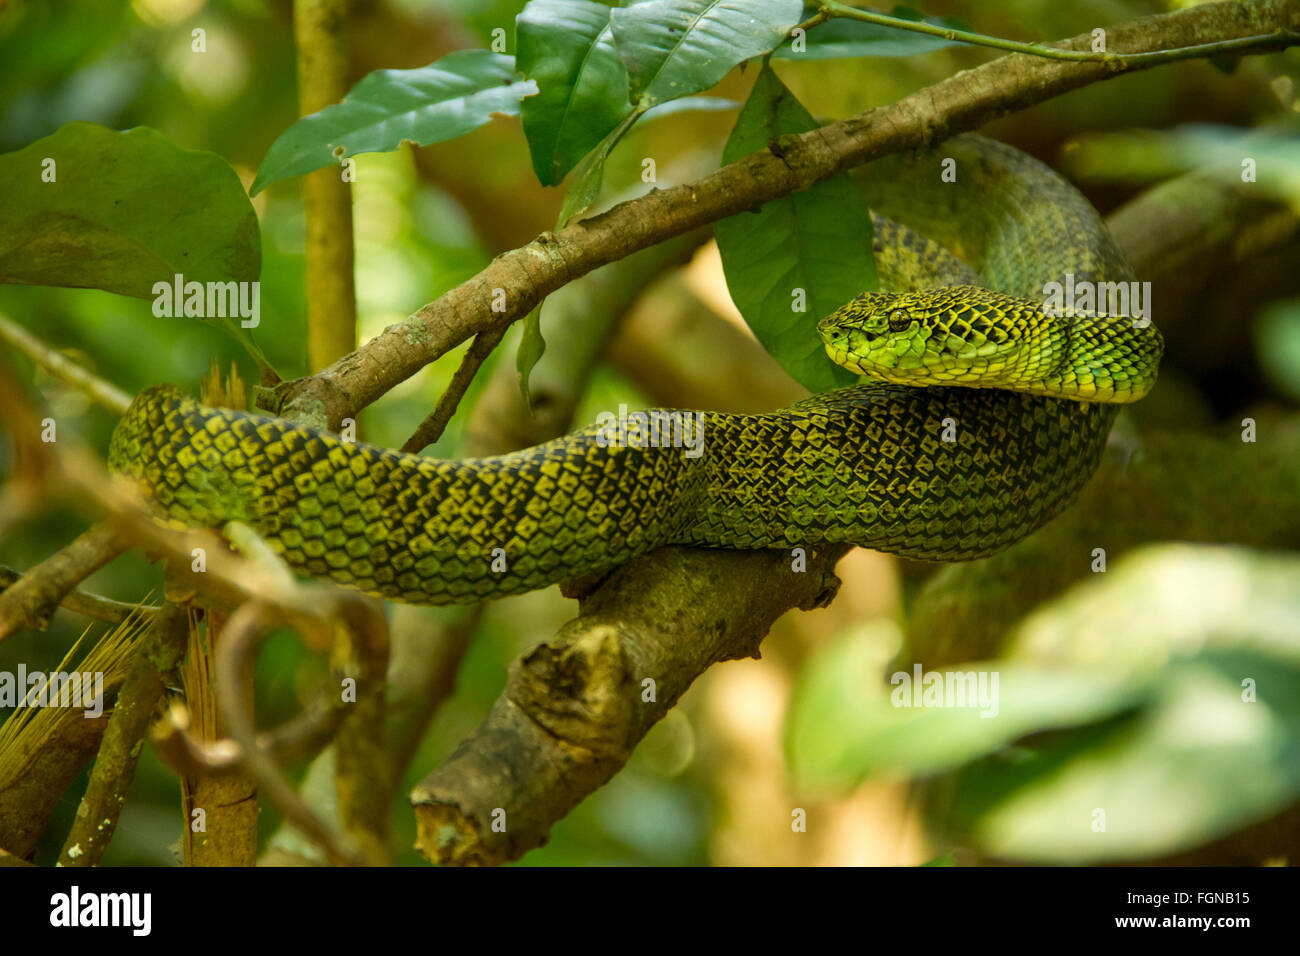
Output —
(974, 337)
(951, 336)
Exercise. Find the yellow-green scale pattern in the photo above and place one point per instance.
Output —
(866, 465)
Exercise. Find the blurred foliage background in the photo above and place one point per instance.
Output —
(1143, 721)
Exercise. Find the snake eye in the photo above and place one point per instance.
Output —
(899, 320)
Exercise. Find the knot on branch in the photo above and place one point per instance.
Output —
(580, 691)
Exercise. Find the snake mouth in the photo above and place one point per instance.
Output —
(841, 357)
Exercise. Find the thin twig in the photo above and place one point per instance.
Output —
(244, 631)
(1120, 60)
(30, 602)
(299, 738)
(63, 368)
(94, 606)
(174, 739)
(431, 428)
(97, 816)
(821, 16)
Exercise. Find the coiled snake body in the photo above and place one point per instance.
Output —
(945, 472)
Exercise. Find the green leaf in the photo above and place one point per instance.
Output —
(852, 38)
(1216, 747)
(1167, 599)
(591, 173)
(446, 99)
(125, 210)
(1200, 762)
(531, 347)
(567, 48)
(849, 719)
(817, 240)
(1164, 693)
(674, 48)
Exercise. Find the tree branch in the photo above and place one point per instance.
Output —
(63, 368)
(85, 603)
(31, 601)
(575, 707)
(431, 428)
(830, 8)
(245, 629)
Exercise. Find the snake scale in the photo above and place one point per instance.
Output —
(944, 472)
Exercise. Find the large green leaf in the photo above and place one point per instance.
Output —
(1198, 763)
(1216, 747)
(815, 243)
(674, 48)
(1146, 711)
(125, 210)
(852, 38)
(1168, 599)
(441, 101)
(850, 718)
(567, 48)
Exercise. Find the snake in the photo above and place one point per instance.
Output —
(979, 416)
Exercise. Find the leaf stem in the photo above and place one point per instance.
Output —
(832, 8)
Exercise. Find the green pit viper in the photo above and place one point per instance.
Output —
(985, 418)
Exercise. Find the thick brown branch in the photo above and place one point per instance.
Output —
(575, 707)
